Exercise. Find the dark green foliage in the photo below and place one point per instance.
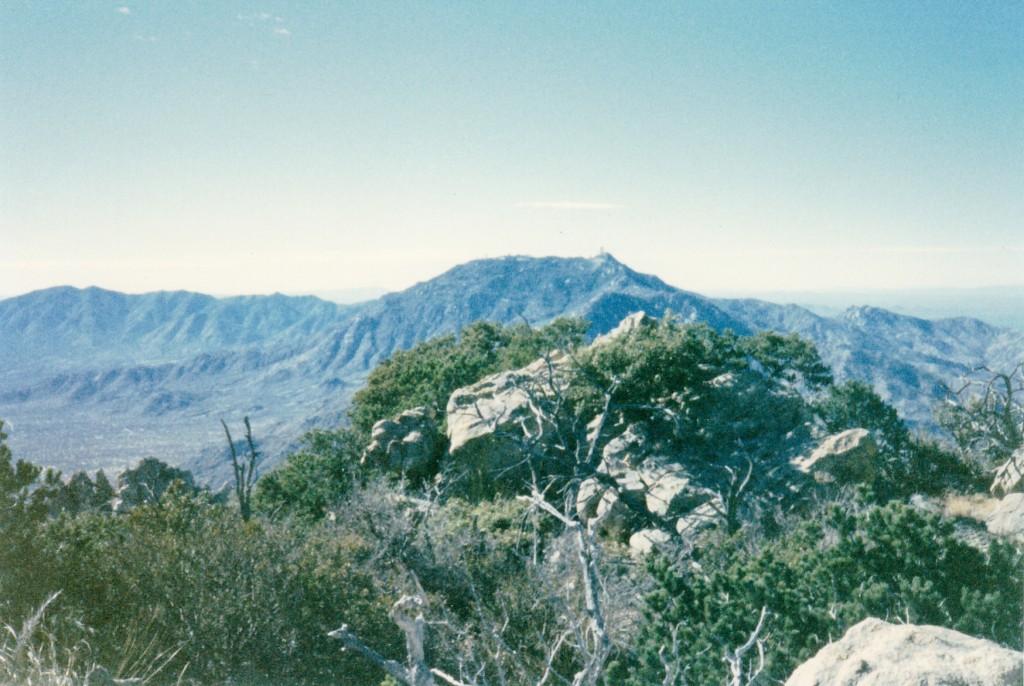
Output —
(710, 391)
(312, 479)
(909, 464)
(725, 407)
(788, 358)
(15, 480)
(428, 373)
(891, 562)
(252, 601)
(855, 404)
(236, 598)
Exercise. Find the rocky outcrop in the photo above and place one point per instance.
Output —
(1009, 475)
(636, 490)
(635, 321)
(1007, 519)
(410, 443)
(146, 482)
(845, 457)
(876, 653)
(493, 423)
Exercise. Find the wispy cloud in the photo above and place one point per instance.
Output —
(265, 20)
(123, 10)
(566, 205)
(259, 18)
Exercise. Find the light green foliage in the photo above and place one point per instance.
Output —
(428, 373)
(891, 562)
(312, 479)
(488, 605)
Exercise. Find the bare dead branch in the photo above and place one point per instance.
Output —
(738, 676)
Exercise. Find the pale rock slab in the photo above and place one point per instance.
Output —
(1007, 519)
(876, 653)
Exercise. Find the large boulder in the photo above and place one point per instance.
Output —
(645, 541)
(410, 443)
(504, 403)
(493, 423)
(845, 457)
(1007, 519)
(876, 653)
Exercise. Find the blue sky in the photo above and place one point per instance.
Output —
(232, 147)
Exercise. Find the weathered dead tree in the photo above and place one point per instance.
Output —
(592, 640)
(407, 613)
(244, 470)
(986, 417)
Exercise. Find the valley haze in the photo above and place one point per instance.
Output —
(95, 379)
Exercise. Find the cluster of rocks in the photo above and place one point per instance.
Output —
(498, 425)
(410, 443)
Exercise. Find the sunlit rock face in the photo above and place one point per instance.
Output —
(876, 653)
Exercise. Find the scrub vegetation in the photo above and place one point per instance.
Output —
(515, 584)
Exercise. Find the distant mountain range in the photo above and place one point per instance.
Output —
(96, 379)
(996, 305)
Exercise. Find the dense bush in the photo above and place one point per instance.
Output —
(909, 464)
(189, 576)
(313, 478)
(186, 582)
(827, 574)
(429, 372)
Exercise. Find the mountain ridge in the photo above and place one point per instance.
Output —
(98, 378)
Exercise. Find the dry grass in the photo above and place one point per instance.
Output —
(31, 657)
(976, 506)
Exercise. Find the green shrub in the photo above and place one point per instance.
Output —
(231, 597)
(891, 562)
(312, 479)
(429, 372)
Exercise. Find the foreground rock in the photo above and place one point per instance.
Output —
(876, 653)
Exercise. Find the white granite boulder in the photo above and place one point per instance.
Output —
(876, 653)
(848, 456)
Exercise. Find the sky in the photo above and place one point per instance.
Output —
(252, 147)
